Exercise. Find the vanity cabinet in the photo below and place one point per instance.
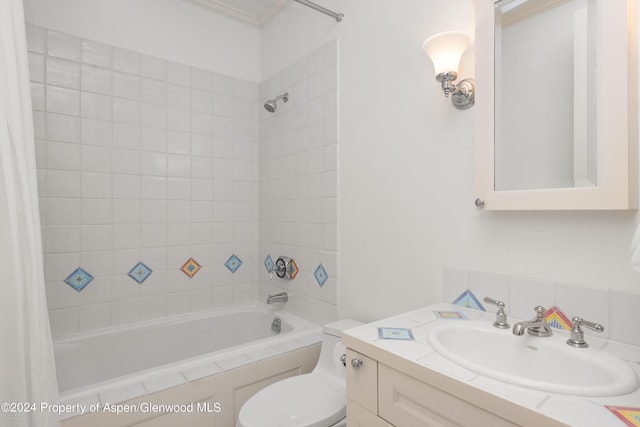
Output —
(379, 395)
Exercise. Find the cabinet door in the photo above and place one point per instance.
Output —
(362, 380)
(405, 401)
(357, 416)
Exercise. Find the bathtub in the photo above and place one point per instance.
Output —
(194, 369)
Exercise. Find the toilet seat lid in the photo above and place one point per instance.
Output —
(309, 400)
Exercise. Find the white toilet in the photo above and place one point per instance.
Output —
(317, 399)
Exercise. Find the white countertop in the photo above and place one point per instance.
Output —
(417, 354)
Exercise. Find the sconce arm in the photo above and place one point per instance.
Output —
(462, 93)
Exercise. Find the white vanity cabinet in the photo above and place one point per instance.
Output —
(386, 390)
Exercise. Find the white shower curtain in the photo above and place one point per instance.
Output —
(27, 369)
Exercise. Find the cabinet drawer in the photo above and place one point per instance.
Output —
(405, 401)
(362, 381)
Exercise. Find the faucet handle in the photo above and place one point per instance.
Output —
(539, 311)
(501, 316)
(500, 304)
(577, 334)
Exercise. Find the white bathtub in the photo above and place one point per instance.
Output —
(140, 362)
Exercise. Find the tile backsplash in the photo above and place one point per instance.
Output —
(616, 310)
(144, 166)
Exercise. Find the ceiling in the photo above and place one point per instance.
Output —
(252, 12)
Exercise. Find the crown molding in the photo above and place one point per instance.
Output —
(232, 12)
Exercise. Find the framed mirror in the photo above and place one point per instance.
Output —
(556, 116)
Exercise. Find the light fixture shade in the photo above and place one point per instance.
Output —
(445, 50)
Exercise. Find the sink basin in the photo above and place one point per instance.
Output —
(541, 363)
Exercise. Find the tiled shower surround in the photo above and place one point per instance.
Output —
(299, 182)
(155, 178)
(148, 180)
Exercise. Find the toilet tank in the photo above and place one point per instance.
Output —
(332, 348)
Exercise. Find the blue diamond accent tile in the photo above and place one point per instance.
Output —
(233, 263)
(468, 299)
(321, 275)
(79, 279)
(268, 263)
(140, 272)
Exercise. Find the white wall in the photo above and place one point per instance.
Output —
(406, 169)
(169, 29)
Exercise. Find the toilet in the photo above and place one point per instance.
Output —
(317, 399)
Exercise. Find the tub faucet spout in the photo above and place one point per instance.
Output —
(537, 327)
(281, 297)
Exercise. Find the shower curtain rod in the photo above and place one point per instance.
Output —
(337, 16)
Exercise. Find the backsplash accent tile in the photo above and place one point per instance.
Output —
(468, 299)
(557, 319)
(629, 416)
(79, 279)
(190, 268)
(140, 272)
(321, 275)
(233, 263)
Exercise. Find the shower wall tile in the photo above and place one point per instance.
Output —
(36, 67)
(126, 61)
(63, 46)
(153, 91)
(179, 74)
(97, 54)
(131, 169)
(61, 128)
(63, 101)
(154, 68)
(64, 73)
(35, 38)
(96, 79)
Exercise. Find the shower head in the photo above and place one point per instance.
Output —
(270, 104)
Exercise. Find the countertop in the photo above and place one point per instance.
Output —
(417, 358)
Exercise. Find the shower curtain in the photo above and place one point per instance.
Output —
(27, 369)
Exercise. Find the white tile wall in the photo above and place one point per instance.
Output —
(298, 180)
(616, 310)
(127, 153)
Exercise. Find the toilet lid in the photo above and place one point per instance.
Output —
(309, 400)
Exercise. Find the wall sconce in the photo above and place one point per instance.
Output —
(445, 51)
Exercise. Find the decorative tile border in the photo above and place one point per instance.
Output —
(233, 263)
(79, 279)
(468, 299)
(140, 272)
(190, 268)
(321, 275)
(557, 319)
(629, 416)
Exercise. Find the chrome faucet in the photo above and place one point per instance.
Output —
(281, 297)
(537, 327)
